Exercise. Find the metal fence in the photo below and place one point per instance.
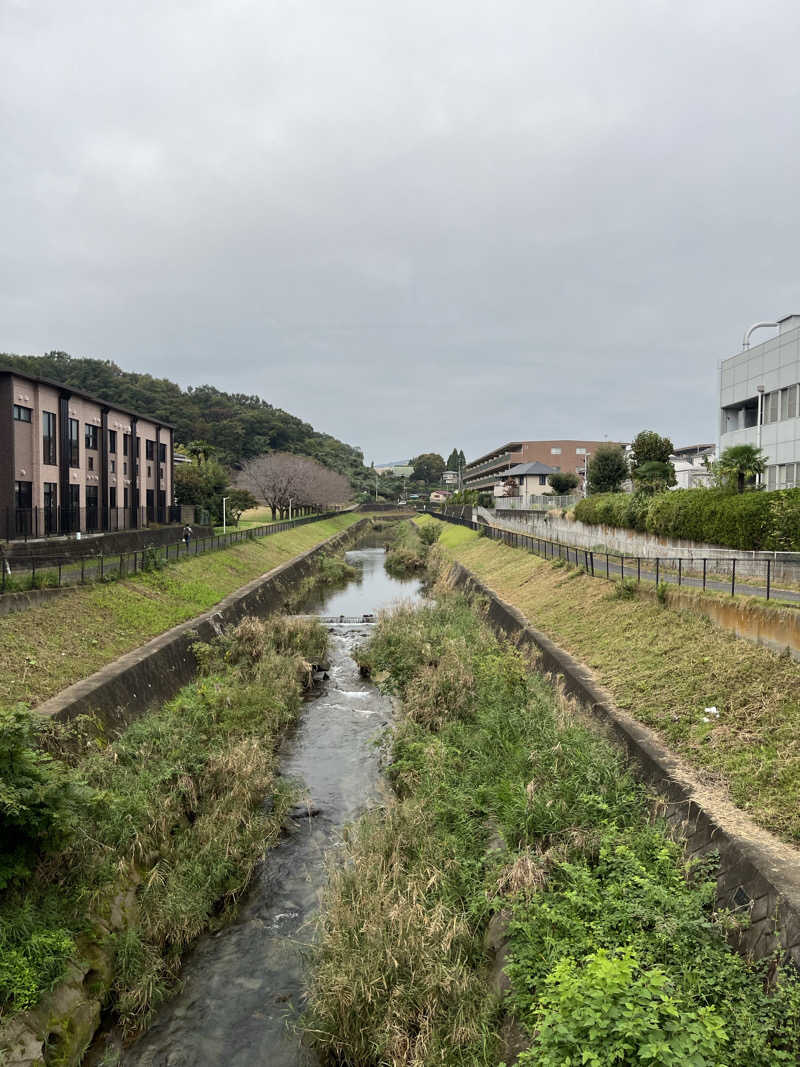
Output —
(50, 572)
(718, 575)
(23, 524)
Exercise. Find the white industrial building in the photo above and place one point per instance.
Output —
(760, 400)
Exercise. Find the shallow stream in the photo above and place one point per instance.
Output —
(243, 986)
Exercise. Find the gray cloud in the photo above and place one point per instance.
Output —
(415, 225)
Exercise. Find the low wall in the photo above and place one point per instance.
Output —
(758, 875)
(90, 545)
(785, 565)
(156, 671)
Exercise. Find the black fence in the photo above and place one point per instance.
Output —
(715, 574)
(23, 524)
(47, 572)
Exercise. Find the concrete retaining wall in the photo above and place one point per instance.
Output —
(156, 671)
(18, 553)
(784, 565)
(758, 875)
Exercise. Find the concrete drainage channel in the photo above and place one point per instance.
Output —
(758, 875)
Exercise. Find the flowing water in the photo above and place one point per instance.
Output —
(244, 985)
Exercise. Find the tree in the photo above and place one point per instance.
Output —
(652, 476)
(428, 467)
(202, 484)
(462, 459)
(741, 464)
(200, 451)
(454, 460)
(239, 500)
(608, 469)
(649, 447)
(563, 482)
(281, 478)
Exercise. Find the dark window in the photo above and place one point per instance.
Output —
(50, 507)
(23, 494)
(125, 496)
(149, 450)
(124, 468)
(49, 437)
(112, 441)
(151, 506)
(90, 461)
(113, 466)
(91, 436)
(22, 414)
(162, 453)
(112, 496)
(542, 479)
(138, 447)
(74, 443)
(126, 444)
(149, 471)
(92, 515)
(74, 499)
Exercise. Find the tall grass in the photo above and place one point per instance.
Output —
(175, 807)
(505, 804)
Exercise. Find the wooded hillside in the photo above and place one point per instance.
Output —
(239, 426)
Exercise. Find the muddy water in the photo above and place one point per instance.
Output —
(244, 985)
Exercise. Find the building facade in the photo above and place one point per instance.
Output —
(765, 381)
(71, 462)
(493, 468)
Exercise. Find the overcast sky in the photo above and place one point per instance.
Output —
(414, 224)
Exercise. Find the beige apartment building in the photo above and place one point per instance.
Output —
(70, 461)
(493, 468)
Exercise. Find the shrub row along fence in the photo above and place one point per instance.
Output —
(718, 575)
(47, 572)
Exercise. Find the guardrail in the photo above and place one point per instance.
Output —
(718, 575)
(45, 572)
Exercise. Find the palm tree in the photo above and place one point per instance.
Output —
(742, 462)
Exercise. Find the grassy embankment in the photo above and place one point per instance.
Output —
(511, 818)
(173, 809)
(665, 668)
(50, 646)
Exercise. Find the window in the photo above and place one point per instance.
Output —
(149, 450)
(112, 497)
(580, 451)
(770, 412)
(789, 402)
(91, 436)
(771, 477)
(126, 444)
(162, 453)
(112, 441)
(91, 463)
(124, 467)
(50, 507)
(149, 471)
(555, 451)
(113, 466)
(74, 443)
(49, 437)
(22, 414)
(542, 479)
(23, 495)
(138, 447)
(50, 494)
(125, 496)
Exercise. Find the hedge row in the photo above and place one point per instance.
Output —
(753, 520)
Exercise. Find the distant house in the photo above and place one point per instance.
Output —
(440, 496)
(489, 471)
(522, 482)
(693, 465)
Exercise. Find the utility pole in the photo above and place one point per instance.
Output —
(224, 499)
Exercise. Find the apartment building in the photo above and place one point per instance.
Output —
(760, 401)
(493, 468)
(72, 462)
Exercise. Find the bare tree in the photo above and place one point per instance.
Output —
(279, 478)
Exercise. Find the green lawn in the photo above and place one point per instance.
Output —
(52, 645)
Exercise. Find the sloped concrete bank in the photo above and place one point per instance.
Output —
(155, 671)
(758, 875)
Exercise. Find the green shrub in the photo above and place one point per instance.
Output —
(609, 1011)
(750, 521)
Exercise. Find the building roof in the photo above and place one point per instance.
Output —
(532, 468)
(9, 371)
